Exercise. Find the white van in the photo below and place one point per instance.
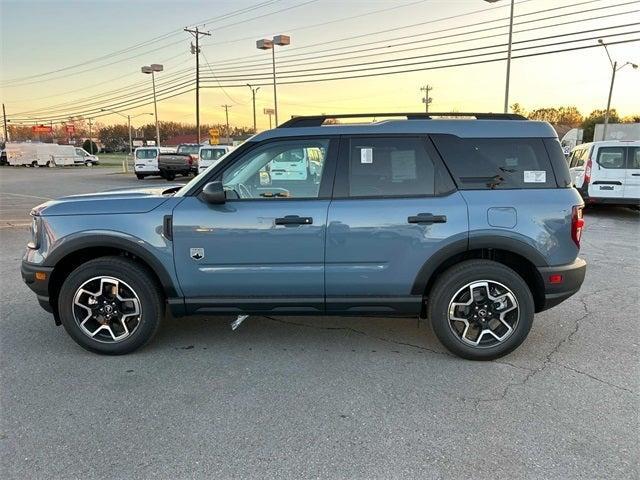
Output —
(85, 158)
(607, 172)
(30, 154)
(210, 154)
(145, 160)
(68, 155)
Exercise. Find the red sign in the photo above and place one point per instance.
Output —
(41, 129)
(70, 128)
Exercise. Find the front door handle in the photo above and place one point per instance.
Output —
(427, 218)
(294, 220)
(635, 174)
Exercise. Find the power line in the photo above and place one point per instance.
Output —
(292, 74)
(142, 44)
(445, 66)
(315, 60)
(285, 58)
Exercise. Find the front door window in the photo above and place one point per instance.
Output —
(287, 169)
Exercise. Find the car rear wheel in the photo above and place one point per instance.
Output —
(110, 305)
(480, 309)
(139, 177)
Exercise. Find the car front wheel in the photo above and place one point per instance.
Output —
(110, 305)
(481, 309)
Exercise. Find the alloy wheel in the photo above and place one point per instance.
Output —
(483, 313)
(107, 309)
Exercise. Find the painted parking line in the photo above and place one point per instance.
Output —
(25, 196)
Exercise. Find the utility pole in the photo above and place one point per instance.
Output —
(195, 50)
(226, 113)
(90, 141)
(253, 95)
(426, 99)
(4, 118)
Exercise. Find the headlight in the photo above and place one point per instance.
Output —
(35, 233)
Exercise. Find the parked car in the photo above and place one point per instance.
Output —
(146, 161)
(607, 172)
(172, 164)
(472, 223)
(191, 149)
(210, 154)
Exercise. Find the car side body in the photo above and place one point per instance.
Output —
(332, 244)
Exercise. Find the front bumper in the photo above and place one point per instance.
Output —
(572, 278)
(39, 287)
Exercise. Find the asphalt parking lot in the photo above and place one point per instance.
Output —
(320, 397)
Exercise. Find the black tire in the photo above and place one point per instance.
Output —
(139, 177)
(456, 278)
(141, 282)
(170, 177)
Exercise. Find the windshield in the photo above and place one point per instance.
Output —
(147, 153)
(188, 148)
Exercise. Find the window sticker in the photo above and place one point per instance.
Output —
(511, 161)
(366, 155)
(535, 176)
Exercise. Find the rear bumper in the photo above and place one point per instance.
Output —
(611, 201)
(572, 278)
(39, 287)
(588, 200)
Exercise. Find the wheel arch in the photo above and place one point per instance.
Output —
(515, 254)
(71, 254)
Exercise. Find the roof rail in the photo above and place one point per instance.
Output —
(318, 120)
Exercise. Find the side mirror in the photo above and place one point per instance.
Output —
(213, 192)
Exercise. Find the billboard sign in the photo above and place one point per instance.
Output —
(41, 129)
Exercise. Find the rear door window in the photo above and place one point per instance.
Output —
(611, 158)
(497, 163)
(390, 167)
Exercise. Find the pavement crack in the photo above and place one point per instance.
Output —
(547, 361)
(593, 377)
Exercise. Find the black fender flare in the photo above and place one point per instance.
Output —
(117, 240)
(474, 241)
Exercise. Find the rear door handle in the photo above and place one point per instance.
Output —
(294, 220)
(427, 218)
(635, 174)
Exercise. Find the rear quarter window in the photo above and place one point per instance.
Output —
(498, 163)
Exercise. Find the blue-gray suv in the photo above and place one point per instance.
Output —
(470, 222)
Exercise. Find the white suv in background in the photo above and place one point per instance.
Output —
(210, 154)
(146, 160)
(607, 172)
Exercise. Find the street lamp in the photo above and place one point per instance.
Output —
(253, 96)
(614, 69)
(266, 44)
(506, 88)
(128, 117)
(154, 67)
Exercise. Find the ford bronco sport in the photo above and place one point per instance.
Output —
(471, 222)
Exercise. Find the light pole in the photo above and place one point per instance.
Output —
(253, 96)
(125, 168)
(506, 88)
(266, 44)
(154, 67)
(614, 69)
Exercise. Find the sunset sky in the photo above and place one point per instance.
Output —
(94, 47)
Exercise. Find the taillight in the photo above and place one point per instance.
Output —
(587, 173)
(577, 224)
